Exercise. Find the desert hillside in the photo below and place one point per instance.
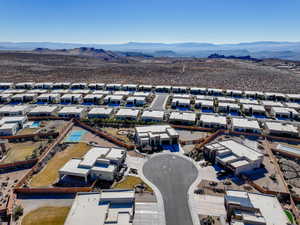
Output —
(218, 73)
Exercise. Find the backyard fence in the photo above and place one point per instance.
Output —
(23, 163)
(104, 135)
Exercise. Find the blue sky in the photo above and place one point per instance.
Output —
(119, 21)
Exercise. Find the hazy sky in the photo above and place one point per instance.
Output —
(115, 21)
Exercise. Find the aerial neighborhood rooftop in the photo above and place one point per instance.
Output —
(98, 153)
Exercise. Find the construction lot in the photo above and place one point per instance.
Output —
(23, 151)
(121, 134)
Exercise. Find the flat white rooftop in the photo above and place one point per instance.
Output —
(69, 96)
(215, 119)
(205, 97)
(128, 112)
(248, 101)
(12, 119)
(242, 151)
(49, 95)
(182, 101)
(153, 114)
(121, 93)
(153, 128)
(272, 103)
(9, 126)
(225, 99)
(186, 96)
(227, 104)
(292, 105)
(281, 127)
(100, 111)
(180, 116)
(204, 103)
(282, 110)
(136, 98)
(293, 96)
(255, 108)
(15, 108)
(92, 96)
(141, 94)
(114, 97)
(245, 123)
(44, 109)
(70, 109)
(107, 207)
(268, 205)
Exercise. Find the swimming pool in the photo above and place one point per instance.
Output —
(75, 136)
(32, 124)
(36, 124)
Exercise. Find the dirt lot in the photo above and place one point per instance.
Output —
(49, 174)
(20, 151)
(57, 125)
(115, 132)
(268, 177)
(217, 73)
(187, 135)
(28, 131)
(219, 188)
(291, 171)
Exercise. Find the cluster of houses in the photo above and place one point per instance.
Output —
(236, 106)
(243, 111)
(215, 121)
(205, 100)
(43, 87)
(78, 96)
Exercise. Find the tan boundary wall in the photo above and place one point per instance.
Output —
(19, 163)
(104, 135)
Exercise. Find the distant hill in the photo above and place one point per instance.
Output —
(165, 53)
(247, 57)
(262, 49)
(98, 65)
(93, 52)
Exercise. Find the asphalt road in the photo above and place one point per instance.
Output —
(159, 101)
(172, 175)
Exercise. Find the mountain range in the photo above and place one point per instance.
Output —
(265, 49)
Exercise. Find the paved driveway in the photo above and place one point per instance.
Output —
(172, 175)
(159, 102)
